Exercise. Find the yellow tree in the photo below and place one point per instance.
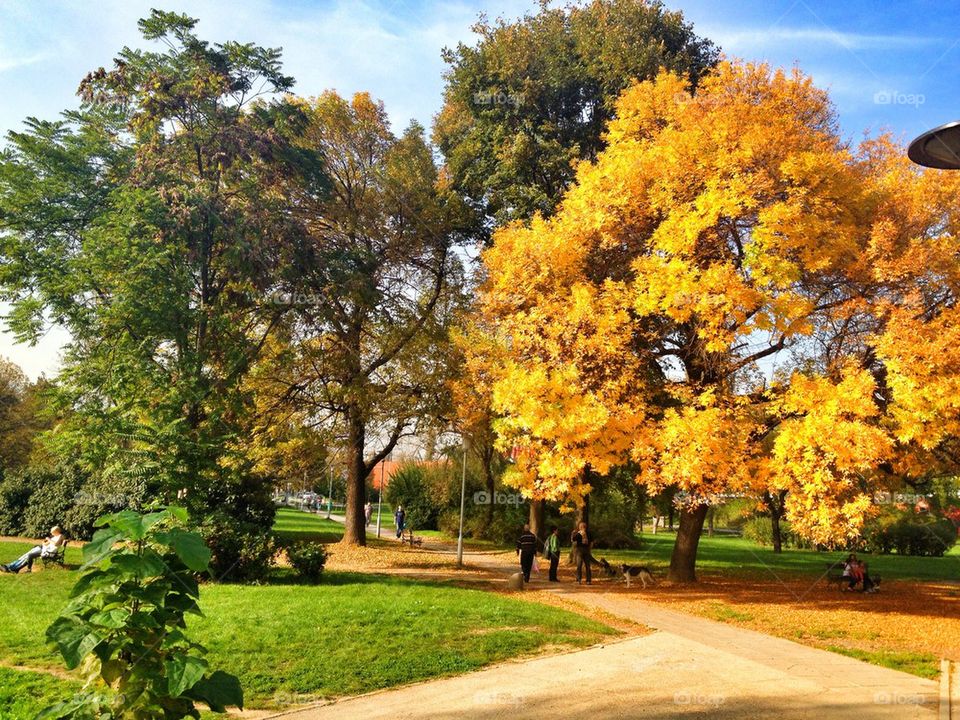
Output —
(715, 231)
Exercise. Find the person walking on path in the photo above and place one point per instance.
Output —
(400, 519)
(367, 513)
(553, 552)
(527, 550)
(581, 548)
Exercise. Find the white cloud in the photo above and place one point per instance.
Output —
(773, 37)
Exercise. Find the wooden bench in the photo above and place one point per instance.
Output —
(58, 558)
(414, 541)
(836, 577)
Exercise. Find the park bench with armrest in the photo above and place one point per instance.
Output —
(58, 558)
(836, 577)
(414, 541)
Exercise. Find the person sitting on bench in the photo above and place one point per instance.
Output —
(48, 548)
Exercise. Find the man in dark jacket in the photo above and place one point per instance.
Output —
(526, 549)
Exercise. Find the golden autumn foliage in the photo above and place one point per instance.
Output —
(715, 232)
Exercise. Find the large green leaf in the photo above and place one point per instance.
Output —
(73, 639)
(99, 547)
(191, 549)
(110, 618)
(183, 672)
(220, 691)
(129, 523)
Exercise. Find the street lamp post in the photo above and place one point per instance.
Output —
(938, 148)
(330, 493)
(463, 502)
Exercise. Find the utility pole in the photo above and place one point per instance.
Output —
(463, 502)
(330, 493)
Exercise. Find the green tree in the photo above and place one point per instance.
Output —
(368, 347)
(533, 96)
(22, 415)
(153, 224)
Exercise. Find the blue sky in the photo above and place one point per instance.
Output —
(889, 65)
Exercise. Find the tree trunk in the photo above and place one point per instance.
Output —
(775, 506)
(355, 532)
(583, 513)
(710, 514)
(775, 528)
(537, 508)
(670, 515)
(683, 561)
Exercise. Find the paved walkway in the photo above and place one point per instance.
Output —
(689, 667)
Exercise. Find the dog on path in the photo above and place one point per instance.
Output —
(637, 571)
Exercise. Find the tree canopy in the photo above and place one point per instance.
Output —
(718, 229)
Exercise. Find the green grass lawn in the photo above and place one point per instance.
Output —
(23, 694)
(726, 554)
(293, 643)
(292, 524)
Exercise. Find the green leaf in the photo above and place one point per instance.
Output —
(73, 639)
(90, 579)
(112, 670)
(99, 547)
(220, 690)
(183, 672)
(191, 549)
(128, 523)
(110, 618)
(178, 512)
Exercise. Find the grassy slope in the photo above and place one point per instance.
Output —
(293, 643)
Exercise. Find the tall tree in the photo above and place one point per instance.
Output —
(376, 291)
(533, 96)
(23, 415)
(152, 224)
(714, 231)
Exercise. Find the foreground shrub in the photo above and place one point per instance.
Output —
(307, 559)
(240, 551)
(124, 625)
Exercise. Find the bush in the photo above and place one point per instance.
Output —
(410, 488)
(240, 551)
(54, 494)
(15, 494)
(909, 533)
(33, 500)
(308, 559)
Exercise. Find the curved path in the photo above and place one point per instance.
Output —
(689, 667)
